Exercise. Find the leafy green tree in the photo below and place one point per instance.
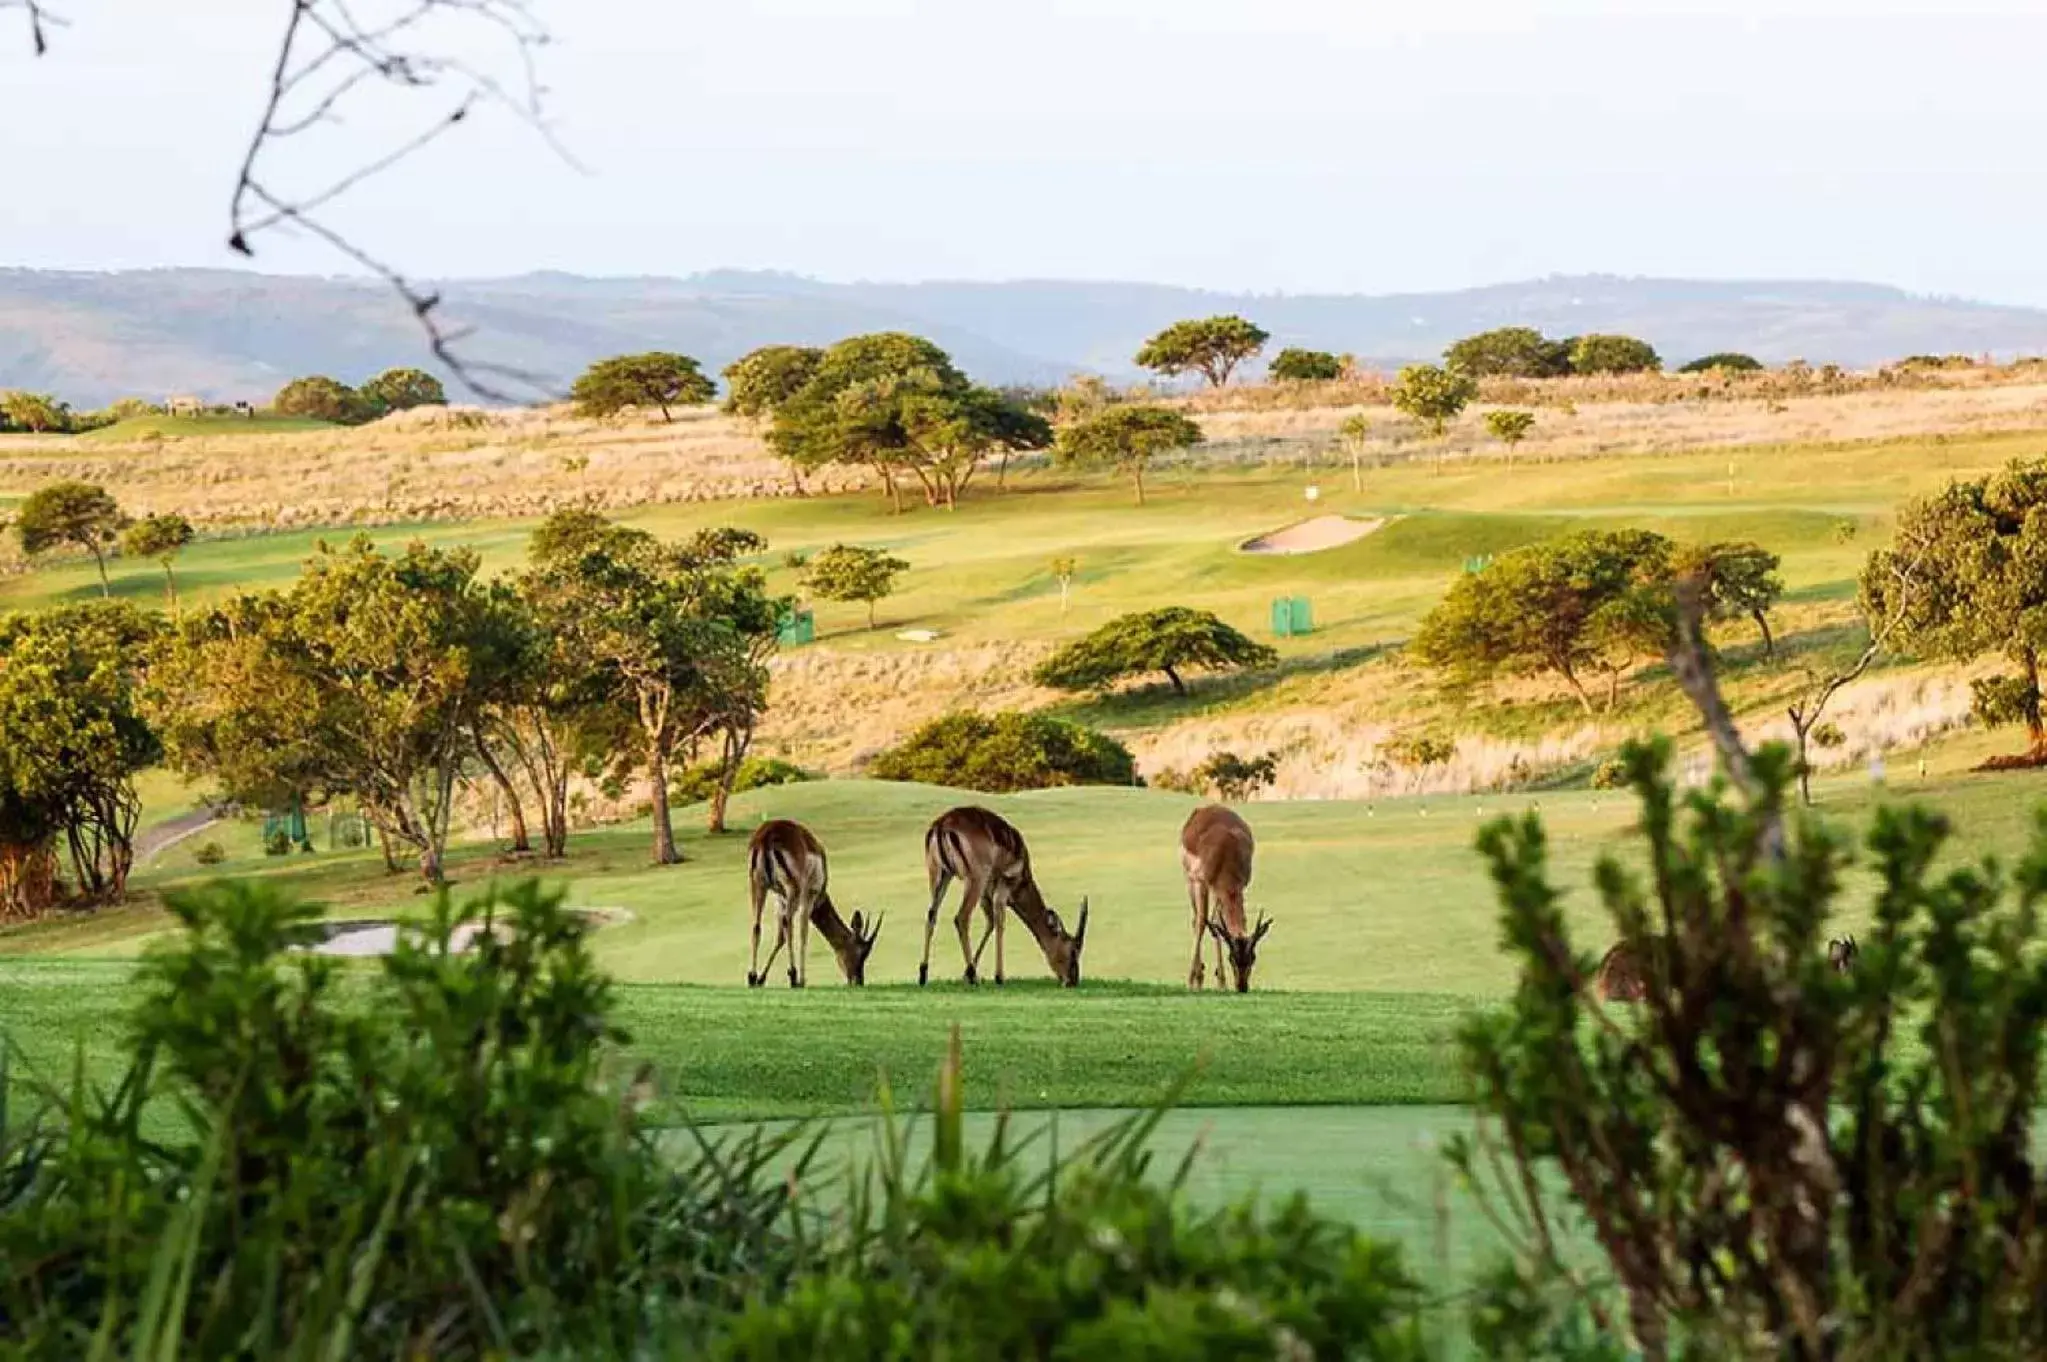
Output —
(1433, 395)
(1594, 602)
(1211, 346)
(72, 741)
(759, 383)
(1725, 361)
(38, 413)
(856, 409)
(682, 635)
(1356, 433)
(1510, 428)
(848, 572)
(402, 390)
(1966, 576)
(953, 432)
(1740, 581)
(1509, 352)
(1172, 640)
(71, 513)
(655, 379)
(1293, 365)
(1005, 752)
(1127, 437)
(1613, 355)
(162, 537)
(320, 398)
(364, 677)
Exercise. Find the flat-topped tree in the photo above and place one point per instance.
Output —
(1295, 365)
(1510, 352)
(1171, 641)
(658, 378)
(402, 390)
(1613, 355)
(1210, 346)
(77, 513)
(852, 409)
(1126, 438)
(316, 397)
(162, 537)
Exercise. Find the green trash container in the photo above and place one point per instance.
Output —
(1301, 620)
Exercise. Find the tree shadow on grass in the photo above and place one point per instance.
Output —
(1154, 704)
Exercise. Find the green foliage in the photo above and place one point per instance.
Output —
(848, 572)
(1172, 640)
(1419, 751)
(1004, 752)
(1738, 580)
(1592, 602)
(1725, 361)
(71, 742)
(1294, 365)
(1967, 575)
(210, 854)
(451, 1158)
(37, 413)
(655, 379)
(77, 513)
(1127, 437)
(1432, 395)
(1611, 774)
(1509, 427)
(698, 783)
(277, 843)
(402, 390)
(1235, 778)
(1998, 701)
(1211, 346)
(1778, 1159)
(1613, 355)
(983, 1255)
(759, 383)
(1828, 735)
(162, 537)
(1509, 352)
(320, 398)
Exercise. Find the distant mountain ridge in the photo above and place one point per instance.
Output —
(225, 334)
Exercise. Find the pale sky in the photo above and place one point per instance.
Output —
(1297, 145)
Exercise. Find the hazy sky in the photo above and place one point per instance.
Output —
(1303, 145)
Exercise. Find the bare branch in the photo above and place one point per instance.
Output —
(329, 56)
(41, 19)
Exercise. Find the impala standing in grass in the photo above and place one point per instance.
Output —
(1215, 851)
(978, 847)
(784, 859)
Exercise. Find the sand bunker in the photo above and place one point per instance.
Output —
(1312, 536)
(370, 937)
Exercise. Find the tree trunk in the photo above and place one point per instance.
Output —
(1613, 689)
(1179, 686)
(870, 614)
(1138, 474)
(2036, 730)
(1800, 731)
(391, 866)
(736, 743)
(1578, 688)
(100, 561)
(171, 585)
(895, 493)
(1357, 470)
(664, 412)
(520, 841)
(1064, 587)
(1762, 620)
(1002, 471)
(657, 791)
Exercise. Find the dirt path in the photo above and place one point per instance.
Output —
(169, 833)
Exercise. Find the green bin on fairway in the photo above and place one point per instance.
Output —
(797, 628)
(1291, 617)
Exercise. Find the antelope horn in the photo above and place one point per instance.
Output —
(875, 928)
(1264, 926)
(1218, 931)
(1080, 932)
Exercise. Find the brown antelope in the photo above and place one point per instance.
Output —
(976, 846)
(784, 859)
(1215, 851)
(1622, 978)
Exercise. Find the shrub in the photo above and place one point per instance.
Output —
(1611, 774)
(1170, 641)
(1294, 365)
(998, 753)
(1829, 735)
(1419, 751)
(1727, 361)
(277, 843)
(210, 853)
(697, 784)
(1177, 781)
(1613, 355)
(1235, 778)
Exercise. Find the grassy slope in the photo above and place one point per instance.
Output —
(147, 427)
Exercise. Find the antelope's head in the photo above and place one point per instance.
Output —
(853, 954)
(1062, 952)
(1841, 954)
(1243, 949)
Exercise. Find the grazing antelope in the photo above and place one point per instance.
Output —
(976, 846)
(1841, 954)
(1215, 851)
(783, 858)
(1622, 979)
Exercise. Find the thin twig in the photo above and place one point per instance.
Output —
(40, 21)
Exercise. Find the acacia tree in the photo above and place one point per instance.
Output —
(1592, 603)
(1613, 355)
(71, 513)
(1739, 581)
(848, 572)
(364, 677)
(320, 398)
(1433, 395)
(1172, 641)
(1295, 365)
(402, 390)
(681, 633)
(955, 431)
(1127, 438)
(658, 378)
(851, 409)
(162, 537)
(1509, 352)
(758, 383)
(72, 739)
(1211, 346)
(1977, 552)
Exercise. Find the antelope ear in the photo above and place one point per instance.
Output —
(858, 922)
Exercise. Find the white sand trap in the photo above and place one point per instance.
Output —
(919, 635)
(370, 938)
(1312, 536)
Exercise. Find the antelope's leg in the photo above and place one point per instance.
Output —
(976, 891)
(1222, 979)
(941, 880)
(759, 890)
(1197, 894)
(781, 939)
(799, 964)
(993, 928)
(1001, 911)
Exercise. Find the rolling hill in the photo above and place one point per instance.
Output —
(225, 334)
